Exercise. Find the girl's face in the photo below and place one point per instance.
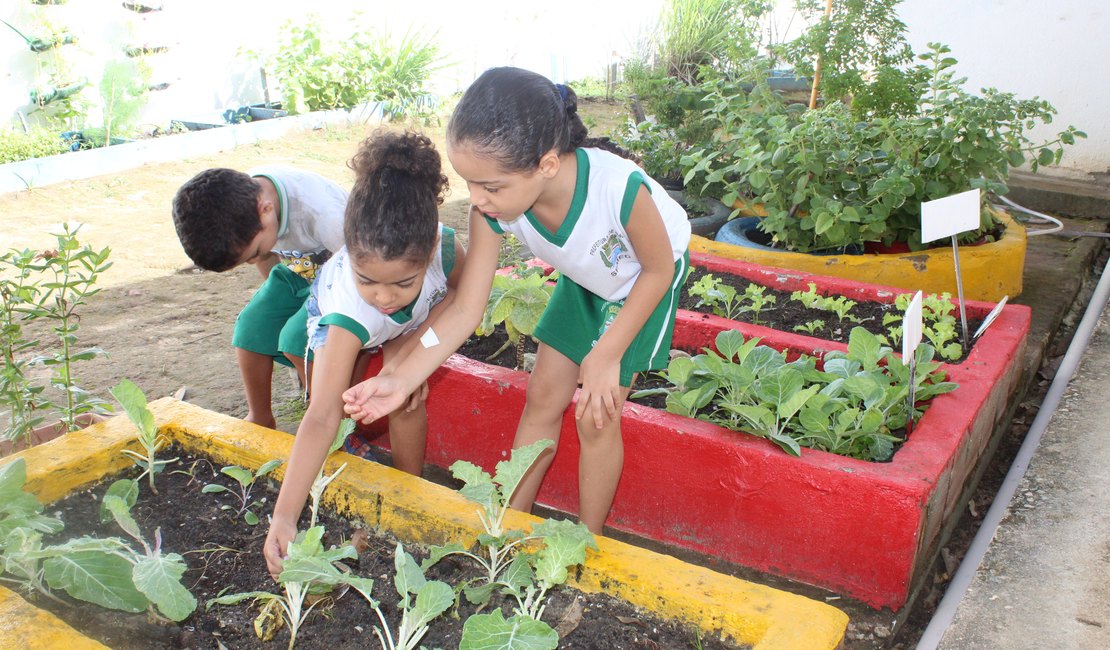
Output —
(388, 286)
(497, 193)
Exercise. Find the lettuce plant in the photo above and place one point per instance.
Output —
(851, 406)
(724, 300)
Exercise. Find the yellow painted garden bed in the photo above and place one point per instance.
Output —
(419, 511)
(989, 271)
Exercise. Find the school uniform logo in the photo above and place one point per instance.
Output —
(611, 249)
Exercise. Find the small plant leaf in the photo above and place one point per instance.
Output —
(493, 632)
(240, 475)
(134, 403)
(213, 488)
(510, 472)
(127, 490)
(96, 577)
(159, 578)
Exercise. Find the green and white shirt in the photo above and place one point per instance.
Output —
(310, 217)
(592, 247)
(336, 293)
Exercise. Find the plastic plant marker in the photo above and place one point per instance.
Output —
(949, 217)
(990, 317)
(911, 338)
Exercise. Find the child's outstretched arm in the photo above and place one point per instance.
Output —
(331, 374)
(460, 313)
(599, 373)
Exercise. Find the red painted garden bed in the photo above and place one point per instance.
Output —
(856, 528)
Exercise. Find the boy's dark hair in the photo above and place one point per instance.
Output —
(216, 217)
(393, 209)
(515, 116)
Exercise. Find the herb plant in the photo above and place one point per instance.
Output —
(245, 479)
(316, 490)
(134, 403)
(19, 298)
(938, 324)
(422, 600)
(810, 327)
(70, 275)
(724, 300)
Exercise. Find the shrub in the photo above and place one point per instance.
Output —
(36, 143)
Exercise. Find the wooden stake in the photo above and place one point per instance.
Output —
(817, 64)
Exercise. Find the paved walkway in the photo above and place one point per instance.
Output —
(1045, 581)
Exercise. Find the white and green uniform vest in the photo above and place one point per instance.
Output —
(336, 293)
(592, 247)
(310, 217)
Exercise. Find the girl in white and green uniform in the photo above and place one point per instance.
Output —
(396, 268)
(598, 267)
(616, 238)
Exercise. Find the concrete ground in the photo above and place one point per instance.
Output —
(1045, 581)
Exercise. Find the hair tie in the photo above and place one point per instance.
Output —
(562, 91)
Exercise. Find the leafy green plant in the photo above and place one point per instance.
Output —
(841, 306)
(850, 406)
(517, 301)
(308, 568)
(19, 299)
(421, 601)
(525, 575)
(318, 72)
(810, 327)
(134, 403)
(245, 480)
(316, 490)
(104, 571)
(938, 323)
(828, 179)
(724, 300)
(33, 143)
(71, 272)
(122, 95)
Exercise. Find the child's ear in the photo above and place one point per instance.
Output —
(549, 164)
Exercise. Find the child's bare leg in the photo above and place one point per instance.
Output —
(550, 389)
(299, 366)
(599, 468)
(408, 430)
(257, 371)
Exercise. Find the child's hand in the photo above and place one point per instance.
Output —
(374, 398)
(601, 390)
(277, 542)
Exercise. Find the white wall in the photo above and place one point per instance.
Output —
(566, 41)
(1056, 49)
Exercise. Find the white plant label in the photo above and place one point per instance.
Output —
(991, 316)
(911, 328)
(949, 216)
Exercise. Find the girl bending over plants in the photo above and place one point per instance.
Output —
(373, 295)
(618, 242)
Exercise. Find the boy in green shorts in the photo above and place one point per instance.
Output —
(286, 222)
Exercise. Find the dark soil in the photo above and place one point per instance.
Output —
(224, 555)
(789, 315)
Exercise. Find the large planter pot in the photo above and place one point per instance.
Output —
(417, 511)
(989, 271)
(857, 528)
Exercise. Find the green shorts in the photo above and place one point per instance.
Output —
(275, 321)
(575, 319)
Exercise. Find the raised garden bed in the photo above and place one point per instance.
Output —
(419, 512)
(856, 528)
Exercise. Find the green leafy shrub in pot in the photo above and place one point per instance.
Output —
(35, 143)
(828, 179)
